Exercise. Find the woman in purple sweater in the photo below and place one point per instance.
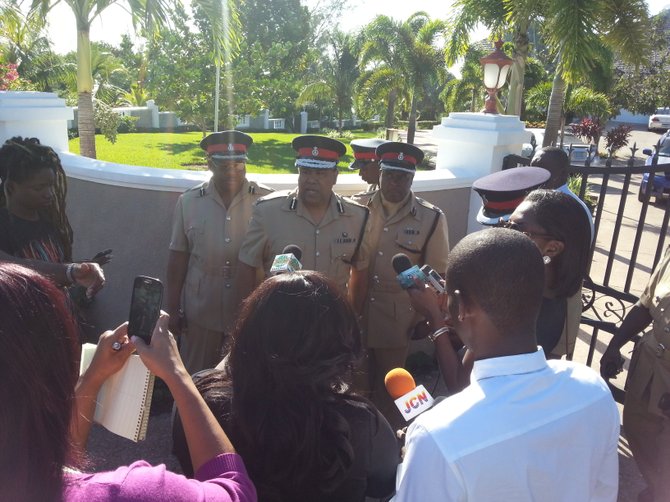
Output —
(46, 412)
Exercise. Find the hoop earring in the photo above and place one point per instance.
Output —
(546, 259)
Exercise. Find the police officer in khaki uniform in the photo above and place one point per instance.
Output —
(366, 162)
(210, 222)
(326, 227)
(646, 409)
(399, 223)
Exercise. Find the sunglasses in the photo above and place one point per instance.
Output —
(513, 226)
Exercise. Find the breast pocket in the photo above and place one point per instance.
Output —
(342, 252)
(409, 240)
(195, 234)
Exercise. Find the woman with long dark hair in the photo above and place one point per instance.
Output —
(559, 227)
(285, 400)
(46, 411)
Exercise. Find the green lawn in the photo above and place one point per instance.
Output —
(270, 153)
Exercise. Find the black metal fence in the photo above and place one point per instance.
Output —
(614, 184)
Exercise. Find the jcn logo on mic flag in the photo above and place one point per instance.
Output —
(414, 403)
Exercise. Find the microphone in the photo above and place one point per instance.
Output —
(410, 399)
(433, 278)
(287, 261)
(406, 271)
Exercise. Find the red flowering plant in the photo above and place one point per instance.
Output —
(617, 137)
(10, 79)
(588, 129)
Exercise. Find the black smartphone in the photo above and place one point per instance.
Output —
(145, 307)
(102, 254)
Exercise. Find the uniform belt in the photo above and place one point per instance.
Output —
(660, 347)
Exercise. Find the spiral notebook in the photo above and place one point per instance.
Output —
(124, 400)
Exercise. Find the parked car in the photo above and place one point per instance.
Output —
(661, 183)
(660, 120)
(579, 152)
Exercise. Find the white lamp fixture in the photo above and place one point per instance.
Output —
(496, 67)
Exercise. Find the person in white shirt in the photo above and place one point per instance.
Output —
(525, 429)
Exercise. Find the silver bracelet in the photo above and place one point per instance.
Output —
(69, 275)
(440, 331)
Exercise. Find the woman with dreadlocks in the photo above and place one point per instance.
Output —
(34, 229)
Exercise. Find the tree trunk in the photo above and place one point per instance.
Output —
(555, 110)
(86, 125)
(411, 126)
(339, 119)
(521, 48)
(85, 117)
(390, 109)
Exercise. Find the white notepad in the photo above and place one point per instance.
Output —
(124, 400)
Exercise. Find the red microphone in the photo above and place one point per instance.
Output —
(410, 399)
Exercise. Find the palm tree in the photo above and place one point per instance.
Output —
(466, 92)
(403, 56)
(148, 16)
(24, 43)
(340, 71)
(494, 14)
(575, 30)
(380, 52)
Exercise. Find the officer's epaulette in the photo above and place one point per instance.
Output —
(200, 188)
(273, 196)
(259, 189)
(362, 198)
(344, 201)
(428, 205)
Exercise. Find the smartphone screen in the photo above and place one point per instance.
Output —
(145, 307)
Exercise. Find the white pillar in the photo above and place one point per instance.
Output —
(472, 145)
(303, 122)
(265, 115)
(153, 109)
(41, 115)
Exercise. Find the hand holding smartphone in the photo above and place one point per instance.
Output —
(145, 307)
(103, 257)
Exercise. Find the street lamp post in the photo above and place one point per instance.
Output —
(496, 67)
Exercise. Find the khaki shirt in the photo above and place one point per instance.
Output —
(419, 230)
(332, 246)
(212, 235)
(650, 365)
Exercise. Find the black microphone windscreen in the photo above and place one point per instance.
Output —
(401, 263)
(294, 250)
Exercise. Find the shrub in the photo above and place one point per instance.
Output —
(588, 129)
(575, 186)
(128, 124)
(106, 120)
(335, 134)
(618, 137)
